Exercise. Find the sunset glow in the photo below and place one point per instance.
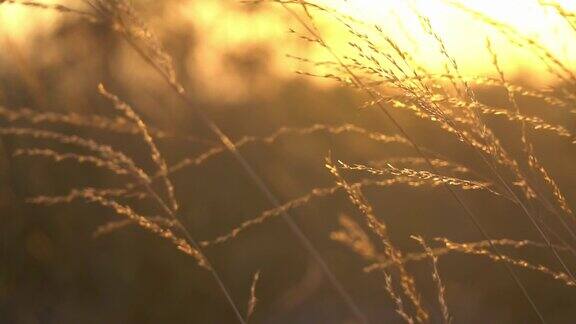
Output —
(465, 38)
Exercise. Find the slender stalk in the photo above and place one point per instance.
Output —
(196, 246)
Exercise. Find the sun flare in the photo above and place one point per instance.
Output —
(464, 36)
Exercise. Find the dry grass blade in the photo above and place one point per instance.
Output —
(438, 163)
(464, 248)
(488, 145)
(545, 95)
(533, 161)
(380, 229)
(570, 17)
(118, 124)
(423, 176)
(306, 199)
(155, 153)
(76, 194)
(437, 280)
(105, 151)
(534, 122)
(292, 131)
(82, 159)
(560, 199)
(319, 192)
(114, 226)
(55, 7)
(253, 300)
(151, 226)
(101, 197)
(480, 249)
(353, 236)
(439, 251)
(124, 19)
(400, 309)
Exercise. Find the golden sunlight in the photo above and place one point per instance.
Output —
(465, 35)
(280, 161)
(18, 22)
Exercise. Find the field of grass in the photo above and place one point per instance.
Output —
(182, 161)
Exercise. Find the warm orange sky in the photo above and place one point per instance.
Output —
(464, 36)
(229, 29)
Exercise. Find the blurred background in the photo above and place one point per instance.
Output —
(234, 60)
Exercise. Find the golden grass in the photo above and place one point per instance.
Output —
(391, 79)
